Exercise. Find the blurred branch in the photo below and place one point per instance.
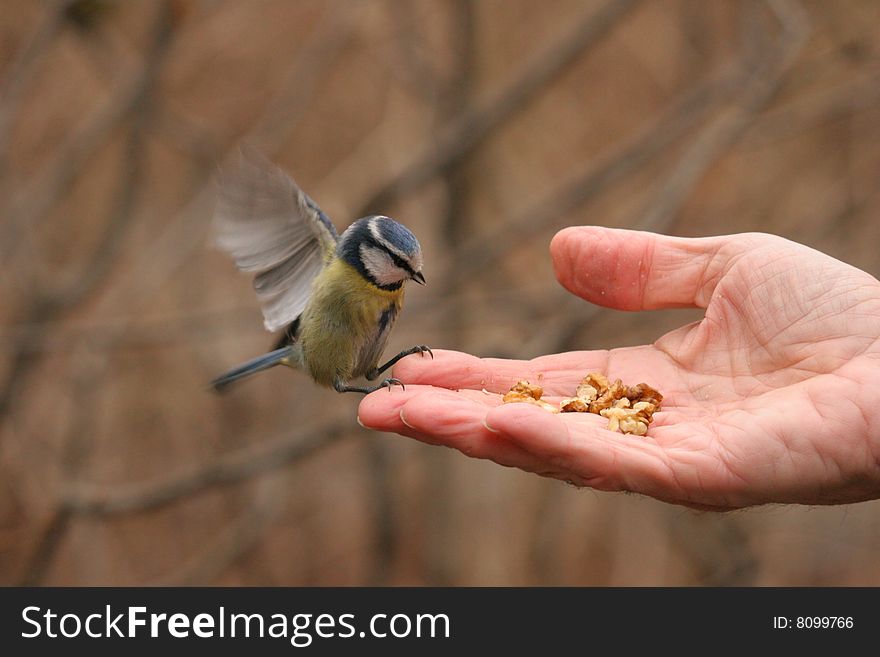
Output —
(409, 61)
(75, 450)
(187, 135)
(46, 189)
(470, 131)
(47, 543)
(49, 305)
(559, 333)
(459, 186)
(828, 104)
(748, 96)
(46, 305)
(232, 542)
(168, 252)
(225, 470)
(71, 336)
(483, 252)
(160, 259)
(718, 137)
(105, 335)
(25, 60)
(110, 51)
(158, 262)
(283, 111)
(379, 470)
(103, 257)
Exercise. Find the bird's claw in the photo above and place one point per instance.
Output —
(422, 348)
(387, 383)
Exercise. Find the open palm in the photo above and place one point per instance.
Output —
(772, 397)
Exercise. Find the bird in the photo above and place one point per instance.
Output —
(336, 297)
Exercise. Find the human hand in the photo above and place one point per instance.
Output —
(773, 397)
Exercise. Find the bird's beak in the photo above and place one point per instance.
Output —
(419, 278)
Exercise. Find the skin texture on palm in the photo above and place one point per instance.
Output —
(771, 398)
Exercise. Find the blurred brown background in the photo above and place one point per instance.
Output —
(484, 126)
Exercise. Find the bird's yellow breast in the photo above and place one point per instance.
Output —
(342, 321)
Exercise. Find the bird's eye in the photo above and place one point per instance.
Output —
(400, 262)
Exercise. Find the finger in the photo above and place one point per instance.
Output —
(449, 419)
(455, 370)
(637, 270)
(381, 410)
(441, 417)
(574, 443)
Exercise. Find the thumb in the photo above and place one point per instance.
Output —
(636, 270)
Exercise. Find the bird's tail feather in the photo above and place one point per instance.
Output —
(252, 366)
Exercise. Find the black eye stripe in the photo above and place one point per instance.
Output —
(400, 262)
(396, 259)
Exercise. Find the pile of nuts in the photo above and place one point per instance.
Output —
(629, 409)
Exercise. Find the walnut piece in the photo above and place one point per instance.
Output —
(644, 392)
(595, 380)
(629, 409)
(625, 420)
(524, 391)
(574, 405)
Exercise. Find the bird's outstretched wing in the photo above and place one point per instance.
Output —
(271, 227)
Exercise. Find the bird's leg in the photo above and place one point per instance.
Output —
(341, 386)
(418, 349)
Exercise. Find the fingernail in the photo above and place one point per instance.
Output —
(361, 423)
(488, 428)
(403, 419)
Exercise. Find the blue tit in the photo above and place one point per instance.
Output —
(335, 296)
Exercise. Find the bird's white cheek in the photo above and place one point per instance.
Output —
(381, 267)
